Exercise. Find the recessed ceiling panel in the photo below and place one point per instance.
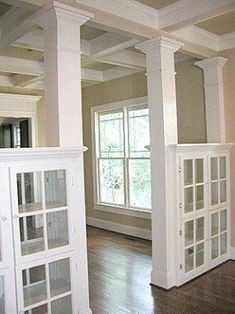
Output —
(220, 25)
(157, 4)
(89, 33)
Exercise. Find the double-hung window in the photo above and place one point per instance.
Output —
(122, 161)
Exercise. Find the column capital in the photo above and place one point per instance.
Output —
(162, 41)
(57, 11)
(216, 62)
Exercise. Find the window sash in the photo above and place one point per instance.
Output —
(125, 158)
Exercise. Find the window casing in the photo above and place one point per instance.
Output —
(122, 163)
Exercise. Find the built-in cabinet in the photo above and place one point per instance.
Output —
(203, 206)
(43, 240)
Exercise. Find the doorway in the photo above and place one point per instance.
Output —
(15, 132)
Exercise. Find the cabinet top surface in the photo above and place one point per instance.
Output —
(14, 153)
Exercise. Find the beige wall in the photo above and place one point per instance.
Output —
(229, 97)
(191, 121)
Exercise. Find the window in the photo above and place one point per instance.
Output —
(121, 159)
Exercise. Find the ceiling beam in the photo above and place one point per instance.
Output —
(21, 66)
(125, 58)
(185, 12)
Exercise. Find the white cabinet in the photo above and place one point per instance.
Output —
(43, 219)
(202, 207)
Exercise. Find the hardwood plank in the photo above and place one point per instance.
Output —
(119, 274)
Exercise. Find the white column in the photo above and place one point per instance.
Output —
(62, 59)
(62, 56)
(163, 132)
(214, 97)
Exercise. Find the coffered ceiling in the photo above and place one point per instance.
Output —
(108, 52)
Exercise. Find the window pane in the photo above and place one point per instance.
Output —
(55, 188)
(111, 134)
(57, 229)
(140, 183)
(31, 234)
(214, 168)
(199, 170)
(29, 191)
(188, 200)
(199, 254)
(223, 243)
(59, 272)
(189, 260)
(214, 247)
(223, 220)
(222, 167)
(139, 135)
(189, 231)
(35, 286)
(188, 172)
(111, 181)
(62, 306)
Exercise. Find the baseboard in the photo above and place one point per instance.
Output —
(120, 228)
(232, 255)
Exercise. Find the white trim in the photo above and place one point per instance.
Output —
(217, 147)
(137, 212)
(120, 228)
(120, 104)
(140, 213)
(201, 37)
(232, 253)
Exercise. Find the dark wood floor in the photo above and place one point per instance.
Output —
(119, 269)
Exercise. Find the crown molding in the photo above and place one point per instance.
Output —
(126, 9)
(201, 37)
(21, 97)
(198, 36)
(193, 11)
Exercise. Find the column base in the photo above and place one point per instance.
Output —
(164, 281)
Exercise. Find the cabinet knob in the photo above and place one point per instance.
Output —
(3, 218)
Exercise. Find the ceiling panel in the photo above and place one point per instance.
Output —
(89, 33)
(221, 24)
(157, 4)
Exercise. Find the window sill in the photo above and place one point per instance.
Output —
(123, 210)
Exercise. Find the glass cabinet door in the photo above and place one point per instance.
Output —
(194, 235)
(193, 185)
(47, 286)
(41, 213)
(218, 233)
(218, 181)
